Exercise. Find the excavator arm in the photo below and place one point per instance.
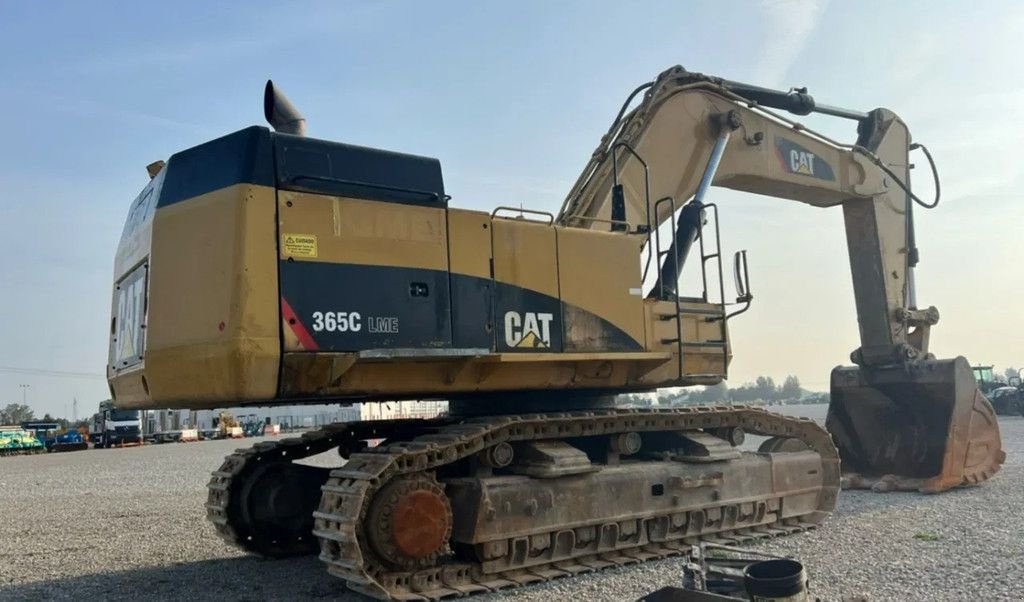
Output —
(901, 419)
(687, 120)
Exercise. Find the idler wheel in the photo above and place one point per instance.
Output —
(273, 508)
(410, 521)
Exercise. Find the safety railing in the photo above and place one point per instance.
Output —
(705, 257)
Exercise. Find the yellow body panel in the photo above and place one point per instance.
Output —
(599, 272)
(525, 255)
(366, 232)
(217, 335)
(469, 241)
(212, 328)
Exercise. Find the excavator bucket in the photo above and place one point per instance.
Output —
(925, 426)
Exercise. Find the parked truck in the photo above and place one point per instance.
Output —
(114, 427)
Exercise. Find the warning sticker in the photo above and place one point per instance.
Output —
(298, 245)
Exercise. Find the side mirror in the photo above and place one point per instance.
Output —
(742, 276)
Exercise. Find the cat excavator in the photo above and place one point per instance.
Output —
(267, 267)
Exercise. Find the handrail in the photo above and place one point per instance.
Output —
(606, 221)
(717, 255)
(647, 194)
(675, 267)
(520, 210)
(427, 193)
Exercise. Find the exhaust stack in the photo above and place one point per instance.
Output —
(280, 113)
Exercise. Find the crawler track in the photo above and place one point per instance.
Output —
(348, 491)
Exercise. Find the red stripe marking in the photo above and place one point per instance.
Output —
(305, 339)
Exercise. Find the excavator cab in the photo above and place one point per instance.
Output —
(919, 426)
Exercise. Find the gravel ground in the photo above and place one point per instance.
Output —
(130, 524)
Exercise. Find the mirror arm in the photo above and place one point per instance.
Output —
(742, 276)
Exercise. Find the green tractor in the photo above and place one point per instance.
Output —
(987, 379)
(1007, 398)
(15, 441)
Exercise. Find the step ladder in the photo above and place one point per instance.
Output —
(717, 315)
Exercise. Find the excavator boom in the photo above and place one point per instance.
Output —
(901, 419)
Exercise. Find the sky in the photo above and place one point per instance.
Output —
(512, 98)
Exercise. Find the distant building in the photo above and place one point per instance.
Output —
(402, 409)
(299, 416)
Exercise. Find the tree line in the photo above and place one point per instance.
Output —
(762, 389)
(16, 413)
(1009, 374)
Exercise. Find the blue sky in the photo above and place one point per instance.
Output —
(512, 98)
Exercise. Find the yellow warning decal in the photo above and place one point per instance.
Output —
(298, 245)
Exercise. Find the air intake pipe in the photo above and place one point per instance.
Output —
(280, 113)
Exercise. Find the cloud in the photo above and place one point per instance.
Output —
(787, 25)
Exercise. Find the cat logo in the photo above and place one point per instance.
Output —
(796, 159)
(529, 330)
(131, 307)
(801, 162)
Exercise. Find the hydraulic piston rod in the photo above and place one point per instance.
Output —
(796, 101)
(691, 218)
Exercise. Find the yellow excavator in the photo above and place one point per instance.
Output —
(267, 267)
(227, 426)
